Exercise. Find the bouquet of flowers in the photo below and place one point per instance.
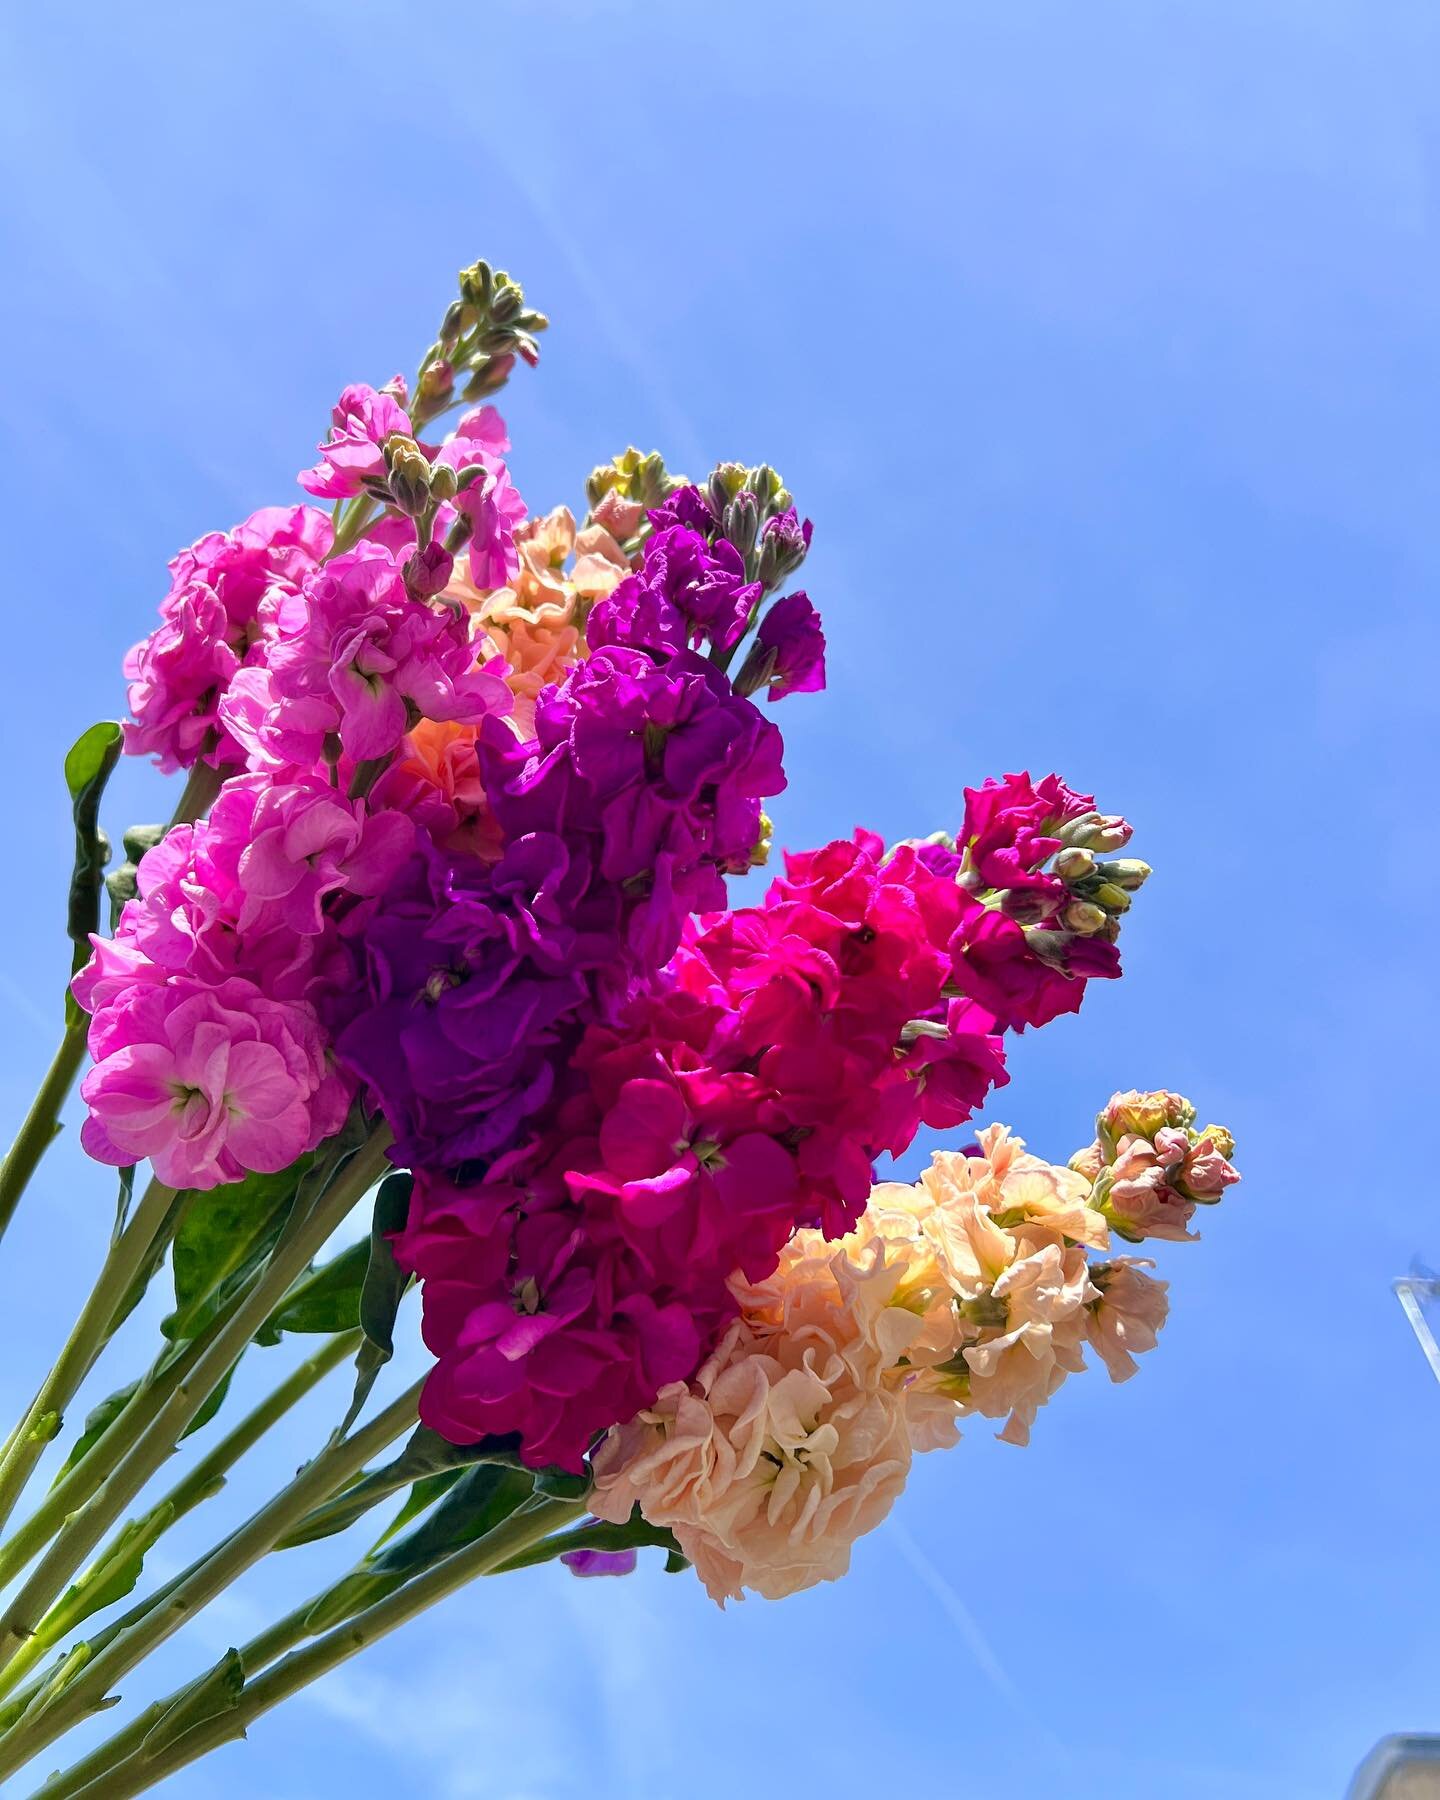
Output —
(441, 929)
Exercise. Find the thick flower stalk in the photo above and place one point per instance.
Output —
(443, 929)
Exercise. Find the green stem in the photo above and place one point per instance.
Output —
(202, 784)
(42, 1122)
(76, 1485)
(202, 1482)
(84, 1344)
(510, 1538)
(305, 1231)
(352, 522)
(283, 1635)
(206, 1578)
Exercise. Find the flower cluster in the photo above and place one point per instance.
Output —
(745, 1097)
(482, 782)
(973, 1291)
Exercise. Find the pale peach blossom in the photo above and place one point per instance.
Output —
(793, 1440)
(1016, 1365)
(767, 1467)
(536, 625)
(1126, 1319)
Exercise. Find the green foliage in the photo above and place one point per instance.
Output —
(327, 1299)
(87, 768)
(224, 1236)
(380, 1292)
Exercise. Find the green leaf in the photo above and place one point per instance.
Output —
(107, 1580)
(426, 1454)
(224, 1235)
(214, 1401)
(64, 1671)
(385, 1281)
(87, 768)
(217, 1691)
(122, 1203)
(326, 1298)
(422, 1495)
(483, 1496)
(97, 1422)
(637, 1533)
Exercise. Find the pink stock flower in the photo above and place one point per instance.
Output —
(209, 1083)
(303, 842)
(356, 656)
(353, 452)
(1009, 827)
(489, 501)
(225, 590)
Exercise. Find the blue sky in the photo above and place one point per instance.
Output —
(1101, 345)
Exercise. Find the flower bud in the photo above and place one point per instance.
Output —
(444, 483)
(409, 474)
(1113, 899)
(436, 379)
(740, 523)
(1134, 1114)
(399, 390)
(1027, 906)
(1084, 917)
(725, 483)
(1128, 873)
(1095, 831)
(1074, 865)
(452, 326)
(428, 572)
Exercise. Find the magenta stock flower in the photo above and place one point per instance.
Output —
(362, 421)
(1009, 826)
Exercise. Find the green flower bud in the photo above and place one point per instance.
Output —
(409, 469)
(1128, 873)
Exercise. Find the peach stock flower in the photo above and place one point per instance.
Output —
(537, 624)
(1126, 1319)
(790, 1443)
(969, 1292)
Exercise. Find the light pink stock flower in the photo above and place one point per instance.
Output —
(209, 1083)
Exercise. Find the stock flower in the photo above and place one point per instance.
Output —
(789, 652)
(224, 593)
(1008, 831)
(1126, 1319)
(362, 420)
(767, 1468)
(301, 842)
(686, 593)
(1151, 1167)
(489, 501)
(354, 655)
(209, 1083)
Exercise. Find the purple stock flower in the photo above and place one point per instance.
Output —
(600, 1562)
(789, 653)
